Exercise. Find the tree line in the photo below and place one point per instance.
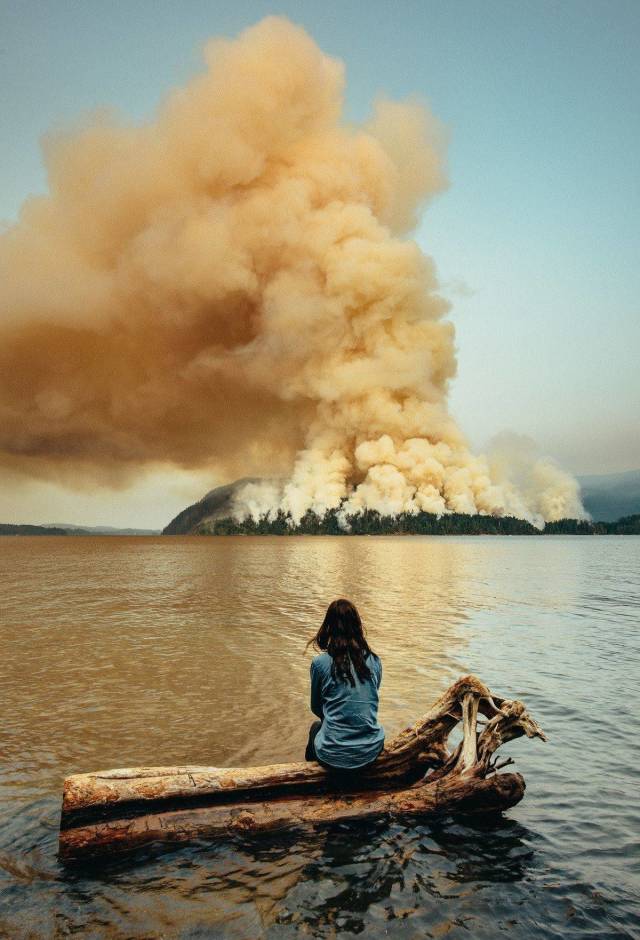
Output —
(371, 522)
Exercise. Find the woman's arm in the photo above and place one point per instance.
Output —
(316, 691)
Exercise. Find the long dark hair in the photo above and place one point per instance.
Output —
(342, 636)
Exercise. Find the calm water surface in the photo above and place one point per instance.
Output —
(126, 651)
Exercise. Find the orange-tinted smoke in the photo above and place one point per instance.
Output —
(228, 286)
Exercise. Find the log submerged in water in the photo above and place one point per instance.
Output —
(415, 775)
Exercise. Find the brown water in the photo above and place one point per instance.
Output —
(127, 651)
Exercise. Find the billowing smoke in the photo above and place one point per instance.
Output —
(229, 287)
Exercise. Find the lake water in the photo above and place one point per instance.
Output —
(128, 651)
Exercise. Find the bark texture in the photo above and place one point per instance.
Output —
(416, 774)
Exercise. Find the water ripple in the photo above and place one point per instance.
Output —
(133, 651)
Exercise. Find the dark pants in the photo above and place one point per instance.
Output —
(347, 775)
(310, 753)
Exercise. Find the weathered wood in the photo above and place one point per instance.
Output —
(405, 757)
(122, 809)
(470, 793)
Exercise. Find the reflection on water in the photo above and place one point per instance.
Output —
(171, 655)
(135, 651)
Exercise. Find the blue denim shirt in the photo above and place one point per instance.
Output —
(350, 735)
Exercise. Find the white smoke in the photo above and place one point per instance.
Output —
(232, 286)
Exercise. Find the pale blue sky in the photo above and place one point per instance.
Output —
(537, 238)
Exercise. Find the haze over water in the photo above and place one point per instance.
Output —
(124, 651)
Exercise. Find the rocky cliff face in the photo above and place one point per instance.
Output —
(217, 504)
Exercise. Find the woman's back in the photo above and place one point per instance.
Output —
(350, 735)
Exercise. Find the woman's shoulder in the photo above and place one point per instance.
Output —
(373, 660)
(322, 661)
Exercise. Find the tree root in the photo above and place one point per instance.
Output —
(415, 775)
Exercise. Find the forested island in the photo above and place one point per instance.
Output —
(216, 514)
(9, 529)
(371, 522)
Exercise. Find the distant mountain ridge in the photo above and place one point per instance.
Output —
(8, 528)
(62, 528)
(609, 496)
(99, 529)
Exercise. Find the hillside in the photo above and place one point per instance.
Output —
(611, 495)
(63, 528)
(99, 529)
(212, 515)
(217, 504)
(7, 528)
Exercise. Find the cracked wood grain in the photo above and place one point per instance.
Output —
(416, 774)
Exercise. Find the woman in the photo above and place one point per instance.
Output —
(345, 679)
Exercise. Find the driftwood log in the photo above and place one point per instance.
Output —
(415, 775)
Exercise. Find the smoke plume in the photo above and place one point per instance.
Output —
(231, 286)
